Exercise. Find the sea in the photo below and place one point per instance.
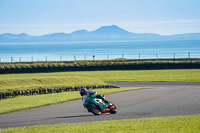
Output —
(70, 51)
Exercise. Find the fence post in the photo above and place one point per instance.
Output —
(156, 56)
(174, 55)
(139, 56)
(32, 59)
(188, 54)
(93, 57)
(74, 57)
(85, 57)
(107, 57)
(11, 59)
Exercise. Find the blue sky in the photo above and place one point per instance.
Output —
(38, 17)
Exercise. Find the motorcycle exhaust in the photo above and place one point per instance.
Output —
(105, 111)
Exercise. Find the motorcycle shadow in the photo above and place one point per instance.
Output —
(75, 116)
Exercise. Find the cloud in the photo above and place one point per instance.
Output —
(191, 22)
(124, 23)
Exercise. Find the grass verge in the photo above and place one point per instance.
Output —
(183, 124)
(116, 64)
(31, 82)
(27, 102)
(172, 75)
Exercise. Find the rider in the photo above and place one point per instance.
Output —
(84, 93)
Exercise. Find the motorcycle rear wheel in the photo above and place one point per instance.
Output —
(95, 110)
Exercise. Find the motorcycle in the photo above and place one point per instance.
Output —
(98, 106)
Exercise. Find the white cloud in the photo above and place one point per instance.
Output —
(124, 23)
(161, 23)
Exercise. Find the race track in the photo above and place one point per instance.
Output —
(173, 99)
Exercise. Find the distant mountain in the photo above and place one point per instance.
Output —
(111, 30)
(54, 37)
(80, 32)
(8, 37)
(104, 33)
(186, 36)
(14, 36)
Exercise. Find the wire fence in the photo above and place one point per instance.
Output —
(99, 57)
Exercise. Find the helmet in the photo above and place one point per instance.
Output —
(83, 91)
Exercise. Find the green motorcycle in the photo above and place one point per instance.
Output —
(97, 106)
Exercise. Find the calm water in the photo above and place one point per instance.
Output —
(102, 50)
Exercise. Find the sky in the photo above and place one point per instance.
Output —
(39, 17)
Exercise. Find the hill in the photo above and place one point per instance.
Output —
(104, 33)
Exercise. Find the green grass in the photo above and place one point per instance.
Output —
(180, 75)
(186, 124)
(24, 83)
(175, 75)
(10, 82)
(26, 102)
(182, 124)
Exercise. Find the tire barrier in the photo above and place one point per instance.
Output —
(49, 91)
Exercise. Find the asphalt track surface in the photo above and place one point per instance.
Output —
(173, 99)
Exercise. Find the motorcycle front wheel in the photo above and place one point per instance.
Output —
(113, 108)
